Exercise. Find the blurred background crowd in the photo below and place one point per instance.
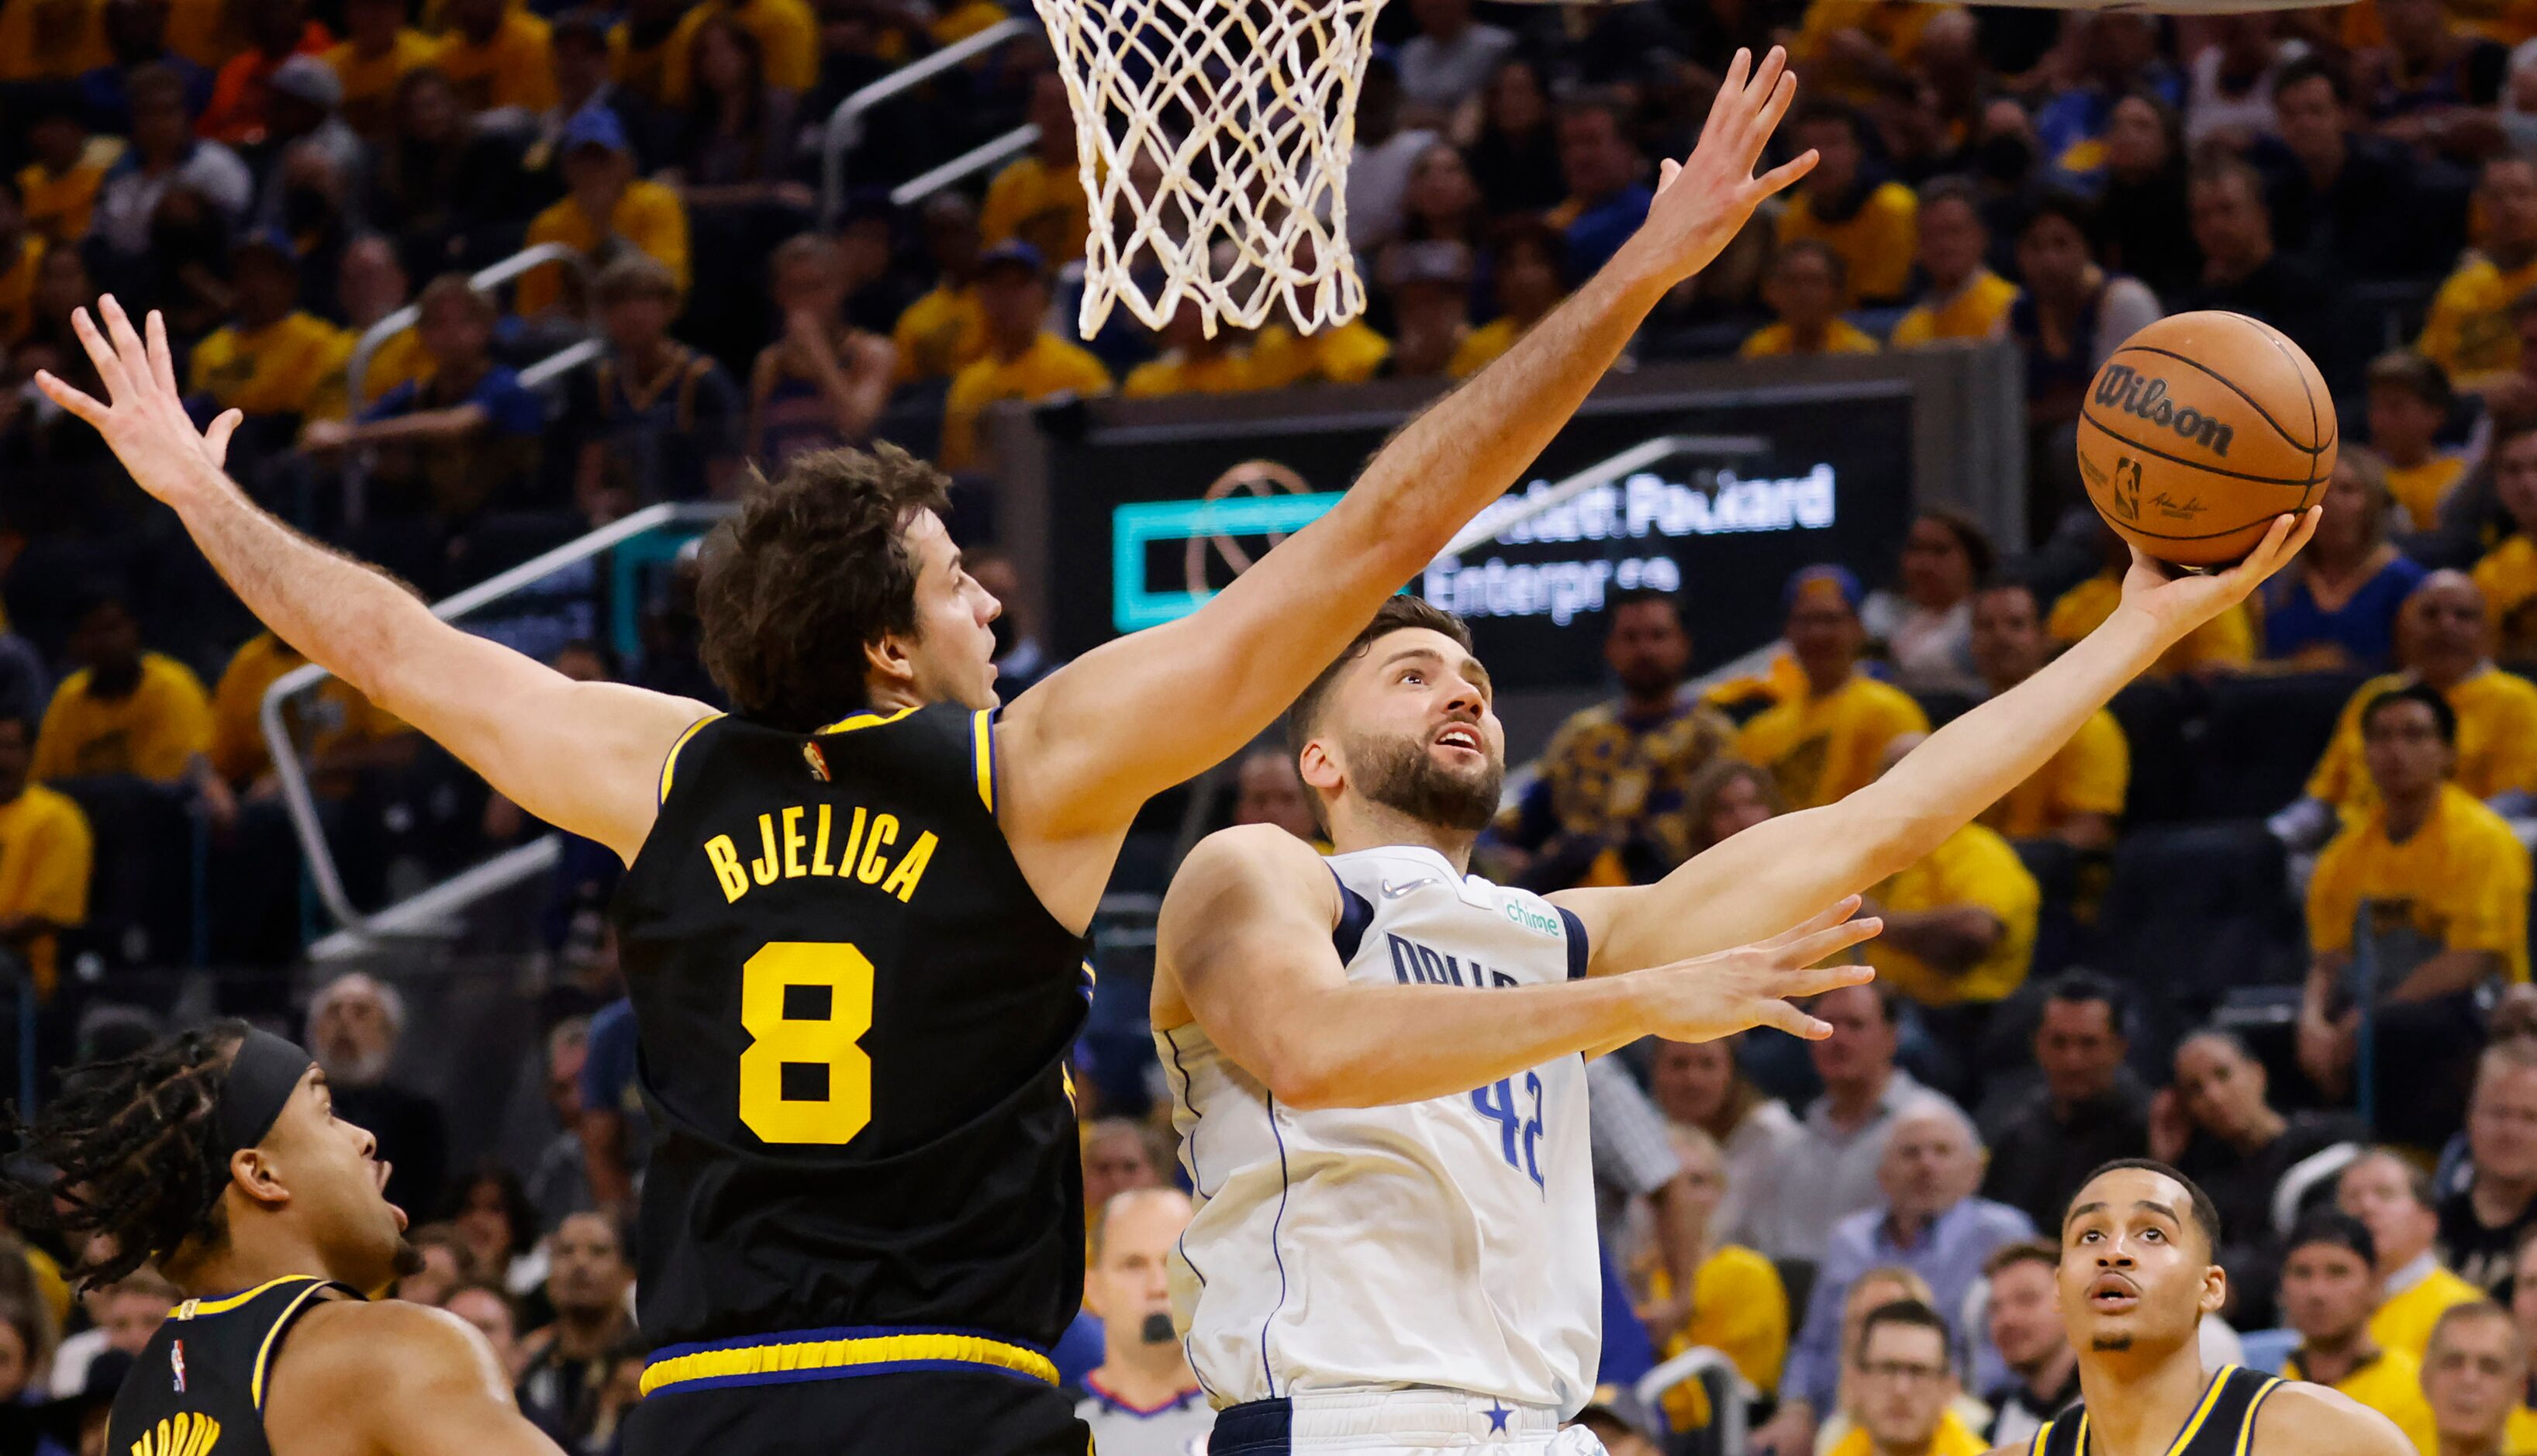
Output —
(2327, 795)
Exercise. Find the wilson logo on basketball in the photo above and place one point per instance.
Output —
(2121, 387)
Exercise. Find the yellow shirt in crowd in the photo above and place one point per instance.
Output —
(1050, 366)
(1176, 375)
(2227, 640)
(2390, 1384)
(1041, 205)
(2469, 329)
(647, 215)
(1738, 1309)
(1977, 310)
(2089, 775)
(293, 365)
(1973, 866)
(46, 853)
(1481, 347)
(513, 68)
(332, 715)
(152, 732)
(1820, 749)
(2404, 1320)
(51, 39)
(2508, 577)
(2420, 489)
(1875, 245)
(1953, 1439)
(2496, 741)
(1347, 354)
(370, 82)
(58, 204)
(2462, 881)
(18, 287)
(1774, 339)
(788, 36)
(400, 359)
(939, 335)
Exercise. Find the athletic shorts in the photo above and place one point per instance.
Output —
(898, 1412)
(1395, 1423)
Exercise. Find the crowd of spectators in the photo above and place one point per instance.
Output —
(306, 187)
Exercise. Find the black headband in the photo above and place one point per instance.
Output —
(262, 1076)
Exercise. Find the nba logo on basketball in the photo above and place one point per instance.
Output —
(2126, 488)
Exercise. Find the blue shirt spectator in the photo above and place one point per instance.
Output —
(2335, 606)
(1930, 1224)
(1607, 191)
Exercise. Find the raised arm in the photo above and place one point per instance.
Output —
(1244, 947)
(584, 756)
(1782, 869)
(1096, 740)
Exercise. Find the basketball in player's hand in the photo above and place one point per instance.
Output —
(2199, 431)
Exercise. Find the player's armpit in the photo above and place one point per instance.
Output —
(2299, 1417)
(393, 1380)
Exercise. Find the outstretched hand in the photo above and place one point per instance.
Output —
(143, 416)
(2183, 601)
(1718, 995)
(1702, 202)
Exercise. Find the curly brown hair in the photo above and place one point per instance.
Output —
(812, 568)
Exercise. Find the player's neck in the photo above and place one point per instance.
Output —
(1357, 825)
(1142, 1375)
(243, 1263)
(2138, 1400)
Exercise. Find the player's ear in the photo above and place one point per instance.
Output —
(1320, 767)
(2215, 1289)
(252, 1173)
(887, 659)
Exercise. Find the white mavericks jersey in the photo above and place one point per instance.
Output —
(1448, 1242)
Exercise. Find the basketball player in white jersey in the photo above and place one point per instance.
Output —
(1378, 1061)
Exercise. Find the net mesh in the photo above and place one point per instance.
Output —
(1213, 138)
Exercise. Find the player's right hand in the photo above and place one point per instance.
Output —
(1701, 203)
(1718, 995)
(142, 417)
(2182, 602)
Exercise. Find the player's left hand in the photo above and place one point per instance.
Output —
(1702, 202)
(2182, 602)
(143, 416)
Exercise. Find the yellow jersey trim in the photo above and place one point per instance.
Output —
(193, 1308)
(985, 735)
(670, 763)
(2034, 1444)
(2255, 1404)
(2193, 1427)
(264, 1352)
(849, 723)
(844, 1355)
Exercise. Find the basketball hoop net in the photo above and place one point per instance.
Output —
(1215, 138)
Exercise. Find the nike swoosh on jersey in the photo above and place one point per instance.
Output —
(1391, 891)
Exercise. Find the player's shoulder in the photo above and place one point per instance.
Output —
(1259, 853)
(2299, 1415)
(371, 1352)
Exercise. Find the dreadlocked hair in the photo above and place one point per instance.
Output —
(125, 1165)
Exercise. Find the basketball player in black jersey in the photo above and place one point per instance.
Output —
(2137, 1279)
(854, 915)
(216, 1156)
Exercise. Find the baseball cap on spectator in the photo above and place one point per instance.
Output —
(595, 126)
(1812, 583)
(308, 79)
(271, 241)
(1015, 254)
(1622, 1407)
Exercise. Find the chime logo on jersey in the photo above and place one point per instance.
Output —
(177, 1363)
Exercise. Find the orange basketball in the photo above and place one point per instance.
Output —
(2200, 430)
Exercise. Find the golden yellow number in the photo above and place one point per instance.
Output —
(828, 1040)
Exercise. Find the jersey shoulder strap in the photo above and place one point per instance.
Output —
(259, 1319)
(2066, 1434)
(2230, 1426)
